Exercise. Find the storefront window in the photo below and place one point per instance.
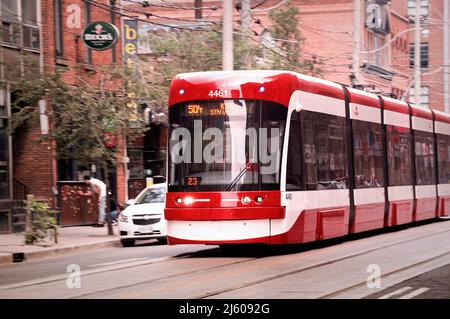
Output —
(4, 159)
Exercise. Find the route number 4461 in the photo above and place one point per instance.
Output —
(218, 93)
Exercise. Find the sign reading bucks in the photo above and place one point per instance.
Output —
(100, 35)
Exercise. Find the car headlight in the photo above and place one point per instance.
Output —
(123, 218)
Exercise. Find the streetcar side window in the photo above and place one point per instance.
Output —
(423, 142)
(294, 161)
(368, 154)
(324, 151)
(398, 155)
(443, 145)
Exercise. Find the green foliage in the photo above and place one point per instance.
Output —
(82, 111)
(285, 54)
(186, 51)
(43, 220)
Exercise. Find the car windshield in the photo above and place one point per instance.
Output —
(152, 195)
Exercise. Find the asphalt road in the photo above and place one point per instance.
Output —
(434, 284)
(414, 260)
(142, 251)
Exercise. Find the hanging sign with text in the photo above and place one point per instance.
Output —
(100, 35)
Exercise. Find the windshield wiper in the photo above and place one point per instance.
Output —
(239, 176)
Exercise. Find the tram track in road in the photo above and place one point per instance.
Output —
(272, 277)
(234, 265)
(383, 276)
(325, 263)
(108, 268)
(84, 295)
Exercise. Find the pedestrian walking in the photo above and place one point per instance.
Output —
(99, 188)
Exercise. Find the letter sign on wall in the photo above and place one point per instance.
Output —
(74, 16)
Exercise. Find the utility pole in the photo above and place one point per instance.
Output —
(446, 52)
(417, 59)
(227, 41)
(198, 4)
(356, 40)
(245, 30)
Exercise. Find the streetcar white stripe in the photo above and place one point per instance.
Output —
(395, 118)
(365, 113)
(421, 124)
(202, 200)
(322, 104)
(425, 191)
(442, 128)
(444, 189)
(397, 193)
(365, 196)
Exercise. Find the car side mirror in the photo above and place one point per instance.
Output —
(130, 202)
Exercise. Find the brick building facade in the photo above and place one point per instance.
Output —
(432, 53)
(47, 32)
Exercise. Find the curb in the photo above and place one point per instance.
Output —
(6, 258)
(16, 257)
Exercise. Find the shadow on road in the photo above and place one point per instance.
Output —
(263, 250)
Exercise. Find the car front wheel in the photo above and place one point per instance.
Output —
(127, 242)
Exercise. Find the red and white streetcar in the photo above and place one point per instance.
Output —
(277, 157)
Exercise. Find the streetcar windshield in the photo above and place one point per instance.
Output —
(226, 145)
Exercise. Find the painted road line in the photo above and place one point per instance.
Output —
(396, 292)
(415, 293)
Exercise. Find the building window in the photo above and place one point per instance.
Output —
(57, 7)
(29, 12)
(398, 155)
(424, 58)
(374, 42)
(4, 160)
(10, 10)
(424, 96)
(4, 147)
(368, 154)
(19, 25)
(424, 9)
(424, 158)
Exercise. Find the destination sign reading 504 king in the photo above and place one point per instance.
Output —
(202, 110)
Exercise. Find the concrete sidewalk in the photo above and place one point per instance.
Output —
(70, 239)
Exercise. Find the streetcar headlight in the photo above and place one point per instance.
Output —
(123, 218)
(181, 91)
(246, 200)
(261, 89)
(258, 199)
(188, 200)
(179, 200)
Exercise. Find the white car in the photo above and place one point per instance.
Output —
(144, 217)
